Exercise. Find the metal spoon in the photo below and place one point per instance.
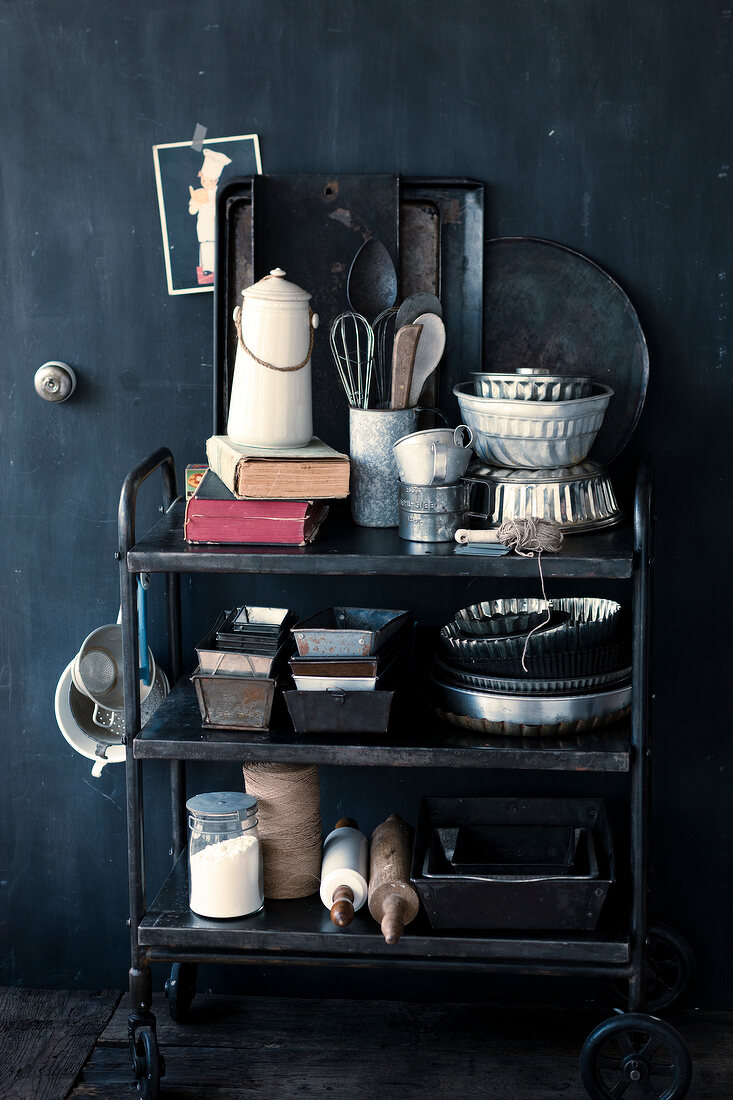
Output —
(412, 307)
(372, 282)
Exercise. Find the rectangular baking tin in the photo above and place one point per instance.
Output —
(552, 903)
(531, 851)
(347, 631)
(344, 714)
(228, 701)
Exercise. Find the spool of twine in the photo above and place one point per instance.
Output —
(289, 816)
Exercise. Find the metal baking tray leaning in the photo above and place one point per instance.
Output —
(433, 227)
(513, 863)
(347, 631)
(343, 714)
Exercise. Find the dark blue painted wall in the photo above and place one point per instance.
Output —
(603, 126)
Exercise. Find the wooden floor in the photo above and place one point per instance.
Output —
(273, 1048)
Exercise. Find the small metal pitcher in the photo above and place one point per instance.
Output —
(437, 456)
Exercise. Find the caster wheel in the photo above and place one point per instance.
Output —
(670, 967)
(149, 1064)
(180, 989)
(636, 1057)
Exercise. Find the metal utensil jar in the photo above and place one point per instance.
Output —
(432, 513)
(271, 403)
(225, 857)
(374, 476)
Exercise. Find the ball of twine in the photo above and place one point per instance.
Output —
(531, 536)
(289, 826)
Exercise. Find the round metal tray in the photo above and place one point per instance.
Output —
(549, 308)
(555, 666)
(592, 622)
(479, 621)
(578, 498)
(529, 715)
(537, 387)
(568, 685)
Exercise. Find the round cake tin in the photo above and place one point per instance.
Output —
(578, 498)
(533, 434)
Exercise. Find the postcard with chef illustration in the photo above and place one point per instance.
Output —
(188, 175)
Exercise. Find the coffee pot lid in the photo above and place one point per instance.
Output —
(276, 288)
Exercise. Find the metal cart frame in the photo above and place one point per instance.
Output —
(295, 935)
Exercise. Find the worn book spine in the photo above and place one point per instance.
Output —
(272, 531)
(313, 471)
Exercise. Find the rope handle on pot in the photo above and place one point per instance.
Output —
(263, 362)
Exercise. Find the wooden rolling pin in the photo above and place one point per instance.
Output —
(344, 871)
(392, 900)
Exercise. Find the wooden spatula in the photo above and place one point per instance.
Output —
(428, 354)
(403, 358)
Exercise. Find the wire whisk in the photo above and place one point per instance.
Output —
(352, 347)
(384, 330)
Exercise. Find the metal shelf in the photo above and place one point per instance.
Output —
(344, 549)
(301, 931)
(174, 732)
(171, 931)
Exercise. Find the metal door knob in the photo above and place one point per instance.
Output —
(55, 381)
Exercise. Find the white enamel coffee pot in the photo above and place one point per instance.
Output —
(271, 403)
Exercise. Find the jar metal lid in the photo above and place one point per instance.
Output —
(223, 804)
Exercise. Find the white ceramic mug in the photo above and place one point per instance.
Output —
(436, 456)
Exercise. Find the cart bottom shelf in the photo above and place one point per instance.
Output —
(301, 930)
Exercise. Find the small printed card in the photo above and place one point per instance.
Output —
(187, 176)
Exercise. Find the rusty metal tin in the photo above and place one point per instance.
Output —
(341, 713)
(234, 702)
(347, 631)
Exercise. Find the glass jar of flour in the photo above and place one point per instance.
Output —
(224, 857)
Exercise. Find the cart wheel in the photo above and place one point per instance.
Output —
(149, 1064)
(180, 989)
(635, 1056)
(670, 967)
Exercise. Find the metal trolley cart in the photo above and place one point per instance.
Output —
(631, 1054)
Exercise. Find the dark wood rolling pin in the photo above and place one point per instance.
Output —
(393, 901)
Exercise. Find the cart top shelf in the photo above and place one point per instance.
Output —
(344, 549)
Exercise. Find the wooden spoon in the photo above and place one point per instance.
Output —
(406, 342)
(428, 354)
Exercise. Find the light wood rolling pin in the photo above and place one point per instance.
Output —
(393, 901)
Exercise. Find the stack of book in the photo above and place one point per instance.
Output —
(252, 495)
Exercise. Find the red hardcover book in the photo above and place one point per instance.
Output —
(215, 515)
